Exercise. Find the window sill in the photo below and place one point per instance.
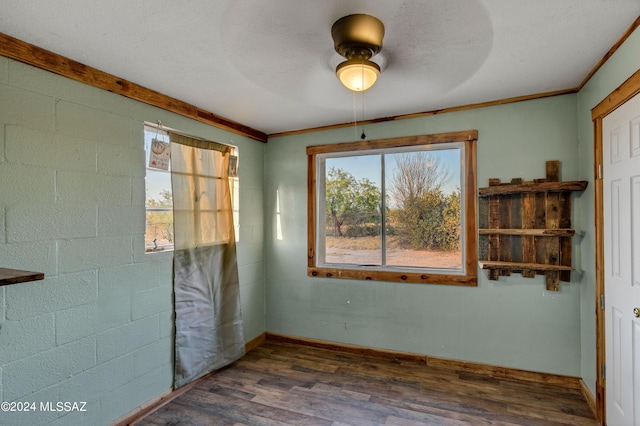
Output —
(393, 276)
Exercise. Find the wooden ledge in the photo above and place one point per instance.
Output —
(560, 232)
(517, 266)
(15, 276)
(504, 189)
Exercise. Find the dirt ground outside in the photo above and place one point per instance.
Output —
(366, 251)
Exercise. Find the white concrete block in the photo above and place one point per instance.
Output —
(133, 394)
(40, 256)
(151, 302)
(51, 294)
(137, 131)
(167, 322)
(40, 148)
(76, 322)
(135, 277)
(75, 418)
(4, 69)
(127, 338)
(33, 222)
(22, 183)
(75, 187)
(121, 220)
(46, 83)
(138, 192)
(25, 108)
(92, 123)
(152, 356)
(38, 417)
(115, 294)
(2, 315)
(3, 236)
(121, 160)
(26, 337)
(115, 190)
(103, 378)
(46, 368)
(84, 320)
(159, 274)
(50, 84)
(83, 187)
(92, 253)
(2, 137)
(139, 247)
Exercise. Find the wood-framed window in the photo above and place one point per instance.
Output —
(401, 209)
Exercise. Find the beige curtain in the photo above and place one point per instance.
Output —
(206, 290)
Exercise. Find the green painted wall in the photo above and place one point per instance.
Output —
(99, 327)
(512, 322)
(615, 71)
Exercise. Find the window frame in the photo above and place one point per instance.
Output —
(468, 276)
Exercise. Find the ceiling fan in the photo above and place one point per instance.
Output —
(358, 38)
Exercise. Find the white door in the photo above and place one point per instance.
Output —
(621, 184)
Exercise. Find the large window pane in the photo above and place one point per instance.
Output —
(423, 226)
(352, 214)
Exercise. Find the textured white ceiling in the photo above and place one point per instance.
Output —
(270, 64)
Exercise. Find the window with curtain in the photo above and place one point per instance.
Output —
(159, 233)
(208, 319)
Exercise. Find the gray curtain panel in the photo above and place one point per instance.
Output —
(208, 323)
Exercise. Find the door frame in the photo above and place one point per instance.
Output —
(623, 93)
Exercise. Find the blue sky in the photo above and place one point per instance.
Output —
(369, 166)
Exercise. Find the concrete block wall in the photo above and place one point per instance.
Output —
(98, 329)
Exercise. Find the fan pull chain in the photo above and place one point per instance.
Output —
(363, 136)
(355, 115)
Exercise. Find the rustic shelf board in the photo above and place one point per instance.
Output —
(517, 266)
(15, 276)
(535, 232)
(532, 187)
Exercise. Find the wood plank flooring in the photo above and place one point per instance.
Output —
(289, 384)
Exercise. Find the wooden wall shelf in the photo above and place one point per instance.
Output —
(525, 227)
(537, 232)
(15, 276)
(535, 186)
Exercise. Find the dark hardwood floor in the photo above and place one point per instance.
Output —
(281, 383)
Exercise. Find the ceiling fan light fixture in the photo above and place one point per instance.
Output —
(358, 75)
(357, 38)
